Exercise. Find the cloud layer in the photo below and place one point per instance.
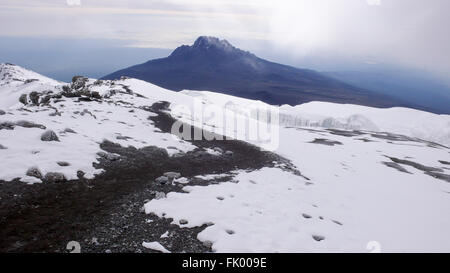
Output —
(411, 32)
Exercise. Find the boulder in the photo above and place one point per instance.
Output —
(49, 135)
(34, 97)
(53, 177)
(34, 172)
(80, 174)
(23, 99)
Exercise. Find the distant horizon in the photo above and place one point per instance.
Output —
(62, 58)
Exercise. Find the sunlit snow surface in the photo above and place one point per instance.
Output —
(351, 198)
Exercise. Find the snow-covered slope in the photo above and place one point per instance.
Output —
(406, 121)
(410, 122)
(15, 81)
(79, 126)
(341, 189)
(363, 189)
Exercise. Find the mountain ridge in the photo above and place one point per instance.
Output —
(216, 65)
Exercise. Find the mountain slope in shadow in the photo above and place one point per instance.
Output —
(215, 65)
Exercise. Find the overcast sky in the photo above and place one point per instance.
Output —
(409, 32)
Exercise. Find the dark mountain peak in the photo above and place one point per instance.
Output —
(207, 42)
(210, 45)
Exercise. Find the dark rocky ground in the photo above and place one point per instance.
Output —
(105, 214)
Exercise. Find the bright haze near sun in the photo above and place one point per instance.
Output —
(406, 32)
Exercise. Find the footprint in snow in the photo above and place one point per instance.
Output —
(306, 216)
(318, 238)
(229, 231)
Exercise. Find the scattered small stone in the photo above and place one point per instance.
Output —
(229, 231)
(162, 180)
(53, 177)
(29, 124)
(324, 141)
(34, 172)
(123, 137)
(2, 112)
(68, 130)
(110, 157)
(2, 147)
(200, 154)
(54, 114)
(172, 175)
(180, 154)
(220, 198)
(183, 222)
(208, 244)
(63, 163)
(7, 125)
(318, 238)
(94, 241)
(49, 135)
(337, 222)
(159, 195)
